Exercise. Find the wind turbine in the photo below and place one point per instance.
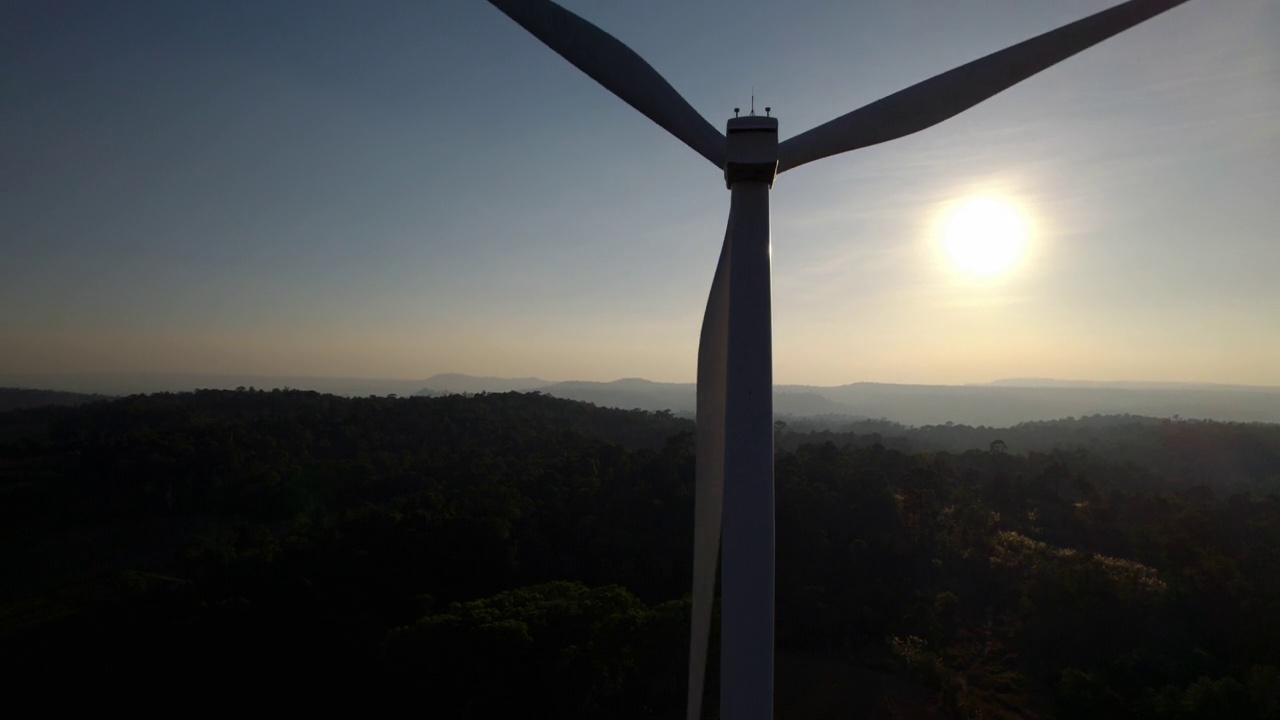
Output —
(735, 361)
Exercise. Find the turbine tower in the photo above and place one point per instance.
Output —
(734, 512)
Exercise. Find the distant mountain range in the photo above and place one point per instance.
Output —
(1001, 403)
(997, 404)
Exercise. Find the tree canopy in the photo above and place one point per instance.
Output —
(517, 554)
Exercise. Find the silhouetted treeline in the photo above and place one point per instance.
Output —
(517, 555)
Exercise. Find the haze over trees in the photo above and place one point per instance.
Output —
(1004, 402)
(225, 552)
(1000, 403)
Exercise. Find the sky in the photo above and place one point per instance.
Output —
(398, 189)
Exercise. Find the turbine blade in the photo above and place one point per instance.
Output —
(619, 69)
(943, 96)
(748, 518)
(713, 356)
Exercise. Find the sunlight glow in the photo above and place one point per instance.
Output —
(983, 236)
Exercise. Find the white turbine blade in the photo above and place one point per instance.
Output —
(951, 93)
(619, 69)
(713, 349)
(747, 534)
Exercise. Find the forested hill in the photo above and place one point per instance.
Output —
(514, 555)
(304, 416)
(1176, 453)
(15, 398)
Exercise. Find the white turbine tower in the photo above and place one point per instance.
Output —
(735, 361)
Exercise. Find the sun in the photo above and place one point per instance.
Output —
(983, 236)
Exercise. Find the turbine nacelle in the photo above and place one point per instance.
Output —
(751, 150)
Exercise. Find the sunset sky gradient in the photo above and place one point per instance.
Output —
(397, 189)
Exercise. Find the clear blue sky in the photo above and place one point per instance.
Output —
(395, 189)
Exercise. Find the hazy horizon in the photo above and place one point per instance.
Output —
(7, 379)
(344, 191)
(1001, 403)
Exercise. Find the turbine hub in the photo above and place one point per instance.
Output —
(751, 153)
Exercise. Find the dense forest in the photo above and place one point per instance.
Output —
(517, 555)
